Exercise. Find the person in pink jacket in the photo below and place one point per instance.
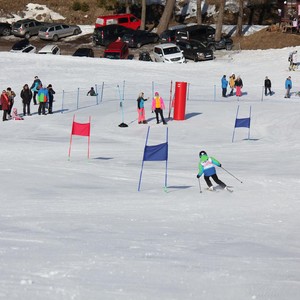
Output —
(158, 106)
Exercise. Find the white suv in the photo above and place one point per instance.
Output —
(169, 53)
(50, 49)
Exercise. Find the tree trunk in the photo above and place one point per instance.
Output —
(239, 26)
(199, 12)
(143, 16)
(166, 17)
(220, 20)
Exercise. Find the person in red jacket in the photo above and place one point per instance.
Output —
(158, 106)
(4, 101)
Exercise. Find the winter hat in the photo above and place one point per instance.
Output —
(202, 152)
(156, 93)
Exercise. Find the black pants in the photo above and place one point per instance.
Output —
(26, 109)
(42, 108)
(5, 112)
(50, 106)
(34, 97)
(224, 92)
(216, 180)
(266, 91)
(159, 111)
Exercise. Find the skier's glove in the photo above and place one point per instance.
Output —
(198, 176)
(220, 166)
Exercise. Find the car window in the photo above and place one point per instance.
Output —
(158, 50)
(171, 50)
(55, 50)
(31, 24)
(51, 29)
(28, 49)
(65, 26)
(123, 20)
(58, 27)
(133, 19)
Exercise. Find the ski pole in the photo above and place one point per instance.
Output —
(232, 175)
(199, 185)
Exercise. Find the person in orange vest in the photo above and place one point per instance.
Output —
(158, 106)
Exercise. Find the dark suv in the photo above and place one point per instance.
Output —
(205, 34)
(195, 50)
(107, 34)
(26, 28)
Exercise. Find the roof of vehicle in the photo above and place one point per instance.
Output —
(26, 20)
(166, 45)
(82, 51)
(112, 26)
(48, 48)
(20, 44)
(115, 16)
(117, 45)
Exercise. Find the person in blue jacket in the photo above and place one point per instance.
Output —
(207, 167)
(288, 87)
(224, 83)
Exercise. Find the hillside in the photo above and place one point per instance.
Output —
(264, 39)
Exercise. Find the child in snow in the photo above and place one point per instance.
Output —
(224, 83)
(91, 92)
(207, 167)
(141, 108)
(232, 84)
(238, 86)
(288, 87)
(15, 115)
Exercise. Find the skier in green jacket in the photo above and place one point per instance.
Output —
(207, 167)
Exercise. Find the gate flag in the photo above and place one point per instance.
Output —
(81, 129)
(242, 122)
(155, 153)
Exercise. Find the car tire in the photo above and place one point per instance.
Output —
(195, 59)
(27, 35)
(138, 45)
(6, 32)
(55, 38)
(76, 32)
(212, 47)
(228, 47)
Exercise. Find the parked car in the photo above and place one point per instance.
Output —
(84, 52)
(169, 53)
(168, 36)
(26, 28)
(195, 50)
(5, 29)
(205, 34)
(138, 38)
(126, 20)
(117, 50)
(145, 56)
(110, 33)
(50, 49)
(56, 31)
(23, 46)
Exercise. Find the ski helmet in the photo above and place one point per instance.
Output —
(202, 152)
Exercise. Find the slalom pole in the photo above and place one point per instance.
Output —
(232, 175)
(199, 185)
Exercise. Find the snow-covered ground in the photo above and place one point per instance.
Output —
(79, 229)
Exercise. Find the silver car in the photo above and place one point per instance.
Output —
(56, 31)
(27, 28)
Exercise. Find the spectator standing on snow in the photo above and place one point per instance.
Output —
(26, 96)
(51, 98)
(158, 106)
(43, 98)
(238, 86)
(35, 88)
(4, 101)
(141, 108)
(232, 84)
(207, 167)
(288, 87)
(268, 85)
(224, 83)
(11, 97)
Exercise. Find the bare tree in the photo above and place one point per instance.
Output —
(199, 12)
(166, 16)
(143, 16)
(239, 26)
(219, 24)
